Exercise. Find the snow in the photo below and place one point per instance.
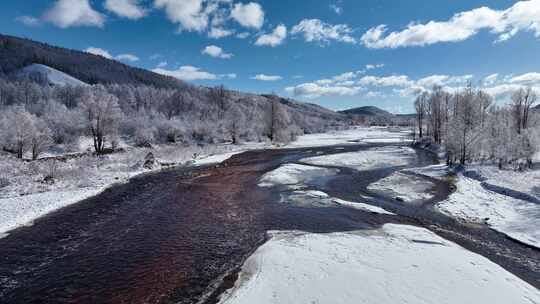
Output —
(21, 211)
(54, 76)
(26, 198)
(374, 158)
(352, 136)
(410, 188)
(516, 218)
(294, 174)
(393, 264)
(439, 171)
(315, 198)
(527, 182)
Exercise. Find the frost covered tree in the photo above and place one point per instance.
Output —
(421, 107)
(18, 129)
(522, 101)
(41, 137)
(102, 115)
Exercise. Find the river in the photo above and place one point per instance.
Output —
(179, 236)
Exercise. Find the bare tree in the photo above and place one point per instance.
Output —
(17, 129)
(421, 107)
(102, 115)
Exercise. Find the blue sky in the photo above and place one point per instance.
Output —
(337, 53)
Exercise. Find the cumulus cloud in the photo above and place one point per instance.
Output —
(216, 52)
(99, 51)
(28, 21)
(263, 77)
(190, 14)
(374, 66)
(491, 79)
(218, 32)
(526, 79)
(314, 90)
(314, 30)
(336, 8)
(522, 16)
(249, 15)
(386, 81)
(187, 73)
(273, 39)
(68, 13)
(242, 35)
(104, 53)
(130, 9)
(127, 57)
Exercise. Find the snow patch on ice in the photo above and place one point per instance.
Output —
(516, 218)
(315, 198)
(394, 264)
(409, 188)
(294, 174)
(374, 158)
(352, 136)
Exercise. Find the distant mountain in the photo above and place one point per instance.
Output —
(367, 111)
(18, 53)
(537, 108)
(49, 75)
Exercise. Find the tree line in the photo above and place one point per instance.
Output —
(472, 127)
(34, 116)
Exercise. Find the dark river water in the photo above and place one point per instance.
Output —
(179, 236)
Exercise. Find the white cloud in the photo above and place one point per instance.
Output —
(28, 20)
(273, 39)
(387, 81)
(162, 64)
(314, 90)
(243, 35)
(263, 77)
(190, 14)
(522, 16)
(104, 53)
(127, 57)
(527, 79)
(218, 32)
(491, 79)
(314, 30)
(126, 8)
(374, 66)
(68, 13)
(187, 73)
(99, 52)
(216, 52)
(230, 76)
(336, 8)
(249, 15)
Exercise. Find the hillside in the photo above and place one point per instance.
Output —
(367, 111)
(49, 75)
(18, 53)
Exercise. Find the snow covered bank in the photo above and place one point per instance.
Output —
(516, 218)
(314, 198)
(409, 188)
(394, 264)
(375, 158)
(294, 174)
(27, 197)
(352, 136)
(526, 182)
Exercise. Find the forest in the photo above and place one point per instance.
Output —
(35, 117)
(470, 127)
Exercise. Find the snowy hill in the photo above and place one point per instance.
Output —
(53, 76)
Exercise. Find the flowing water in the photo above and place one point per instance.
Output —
(179, 236)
